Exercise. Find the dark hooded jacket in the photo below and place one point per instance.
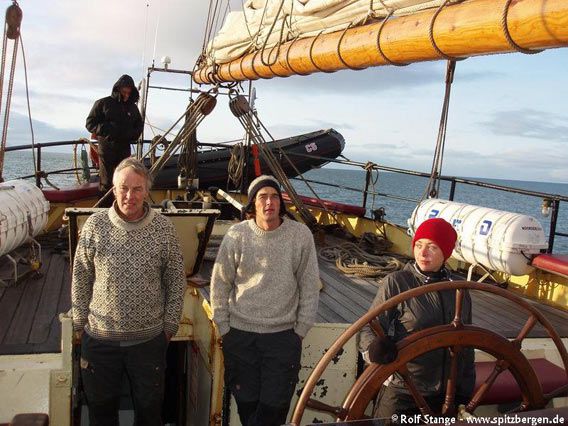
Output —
(113, 120)
(431, 370)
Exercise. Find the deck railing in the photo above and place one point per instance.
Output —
(552, 201)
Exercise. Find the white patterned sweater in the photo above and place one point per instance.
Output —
(128, 277)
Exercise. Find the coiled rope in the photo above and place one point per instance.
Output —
(352, 259)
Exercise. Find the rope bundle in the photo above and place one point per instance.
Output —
(352, 259)
(236, 165)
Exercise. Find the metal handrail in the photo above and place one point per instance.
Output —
(553, 199)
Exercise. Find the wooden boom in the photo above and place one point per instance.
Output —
(470, 28)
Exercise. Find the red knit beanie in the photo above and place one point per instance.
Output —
(439, 231)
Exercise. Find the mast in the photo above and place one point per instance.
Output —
(470, 28)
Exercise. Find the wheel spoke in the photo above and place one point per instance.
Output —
(561, 391)
(338, 412)
(376, 327)
(449, 401)
(506, 353)
(457, 322)
(529, 325)
(418, 398)
(500, 366)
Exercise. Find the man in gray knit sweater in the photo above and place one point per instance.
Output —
(127, 293)
(264, 295)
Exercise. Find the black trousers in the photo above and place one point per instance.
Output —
(102, 367)
(261, 370)
(110, 156)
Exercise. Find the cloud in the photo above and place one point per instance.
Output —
(370, 80)
(76, 51)
(559, 175)
(282, 130)
(322, 124)
(535, 164)
(529, 123)
(19, 132)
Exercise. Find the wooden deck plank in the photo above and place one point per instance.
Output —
(510, 314)
(342, 300)
(24, 316)
(347, 306)
(487, 312)
(328, 314)
(53, 342)
(34, 325)
(343, 315)
(553, 314)
(362, 288)
(10, 301)
(347, 289)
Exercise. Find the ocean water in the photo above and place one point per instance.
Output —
(397, 211)
(413, 187)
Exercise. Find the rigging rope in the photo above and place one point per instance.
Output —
(241, 109)
(370, 168)
(28, 104)
(187, 161)
(11, 31)
(236, 165)
(85, 171)
(199, 109)
(433, 189)
(305, 181)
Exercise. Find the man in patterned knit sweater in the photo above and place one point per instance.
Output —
(127, 293)
(264, 294)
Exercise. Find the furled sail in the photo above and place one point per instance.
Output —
(265, 23)
(330, 35)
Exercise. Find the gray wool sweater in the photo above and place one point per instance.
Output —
(128, 277)
(266, 281)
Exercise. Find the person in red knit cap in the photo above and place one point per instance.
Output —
(432, 245)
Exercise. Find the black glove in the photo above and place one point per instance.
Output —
(382, 350)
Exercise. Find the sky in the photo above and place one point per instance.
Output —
(508, 117)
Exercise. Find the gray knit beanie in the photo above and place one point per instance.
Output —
(259, 183)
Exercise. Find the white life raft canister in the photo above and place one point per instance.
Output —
(499, 240)
(21, 204)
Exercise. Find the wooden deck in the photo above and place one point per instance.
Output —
(29, 311)
(344, 299)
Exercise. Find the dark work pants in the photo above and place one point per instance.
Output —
(102, 368)
(110, 156)
(261, 370)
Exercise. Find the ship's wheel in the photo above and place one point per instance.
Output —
(454, 337)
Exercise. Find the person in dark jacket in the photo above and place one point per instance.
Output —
(115, 123)
(432, 245)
